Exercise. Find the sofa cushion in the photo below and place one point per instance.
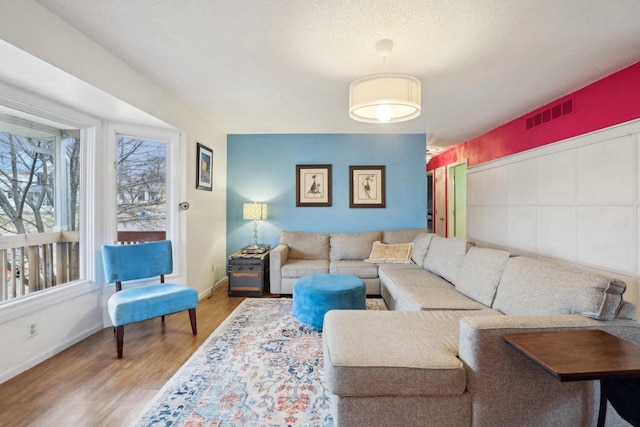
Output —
(530, 286)
(399, 253)
(420, 247)
(306, 245)
(304, 267)
(480, 274)
(395, 277)
(393, 353)
(393, 237)
(627, 311)
(358, 268)
(352, 245)
(400, 275)
(445, 255)
(445, 298)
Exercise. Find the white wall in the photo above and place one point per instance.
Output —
(576, 201)
(32, 28)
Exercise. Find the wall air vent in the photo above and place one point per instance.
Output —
(551, 113)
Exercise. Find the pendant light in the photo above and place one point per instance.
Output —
(385, 98)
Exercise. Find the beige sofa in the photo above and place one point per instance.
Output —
(439, 357)
(303, 253)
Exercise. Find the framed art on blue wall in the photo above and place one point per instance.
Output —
(204, 172)
(367, 187)
(313, 185)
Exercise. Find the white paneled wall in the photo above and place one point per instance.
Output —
(576, 201)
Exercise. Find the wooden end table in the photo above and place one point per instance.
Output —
(580, 355)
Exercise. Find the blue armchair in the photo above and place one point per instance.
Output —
(140, 261)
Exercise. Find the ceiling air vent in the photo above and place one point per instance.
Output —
(551, 113)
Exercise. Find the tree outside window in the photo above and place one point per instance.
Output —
(39, 193)
(142, 189)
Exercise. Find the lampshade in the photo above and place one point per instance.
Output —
(254, 211)
(385, 98)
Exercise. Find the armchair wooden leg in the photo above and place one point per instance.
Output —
(120, 339)
(192, 317)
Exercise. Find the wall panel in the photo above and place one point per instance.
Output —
(477, 223)
(557, 178)
(557, 231)
(523, 223)
(496, 186)
(497, 217)
(606, 172)
(607, 237)
(575, 201)
(522, 182)
(476, 184)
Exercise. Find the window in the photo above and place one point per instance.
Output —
(141, 173)
(39, 203)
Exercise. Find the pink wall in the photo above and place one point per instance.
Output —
(612, 100)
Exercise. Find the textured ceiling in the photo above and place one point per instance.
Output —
(284, 66)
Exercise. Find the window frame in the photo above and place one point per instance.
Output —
(90, 128)
(173, 185)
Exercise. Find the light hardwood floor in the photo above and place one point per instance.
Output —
(86, 385)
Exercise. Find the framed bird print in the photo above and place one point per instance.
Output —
(313, 185)
(367, 187)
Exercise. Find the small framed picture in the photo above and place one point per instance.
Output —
(204, 172)
(367, 187)
(313, 185)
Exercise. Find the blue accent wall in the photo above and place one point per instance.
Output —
(262, 168)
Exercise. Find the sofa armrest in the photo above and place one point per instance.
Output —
(500, 325)
(510, 389)
(277, 258)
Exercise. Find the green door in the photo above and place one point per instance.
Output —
(458, 200)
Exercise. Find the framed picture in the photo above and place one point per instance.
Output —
(204, 172)
(313, 185)
(367, 187)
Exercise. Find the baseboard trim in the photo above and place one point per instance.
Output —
(17, 370)
(209, 292)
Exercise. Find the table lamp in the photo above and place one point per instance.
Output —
(254, 211)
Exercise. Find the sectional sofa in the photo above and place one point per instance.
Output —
(438, 357)
(303, 253)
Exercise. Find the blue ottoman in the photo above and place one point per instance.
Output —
(314, 295)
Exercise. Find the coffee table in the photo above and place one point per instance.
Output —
(580, 355)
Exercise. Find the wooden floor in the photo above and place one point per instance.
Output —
(86, 385)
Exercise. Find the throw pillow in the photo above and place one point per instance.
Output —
(420, 246)
(530, 286)
(382, 253)
(480, 274)
(444, 256)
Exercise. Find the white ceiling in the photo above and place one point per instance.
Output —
(284, 66)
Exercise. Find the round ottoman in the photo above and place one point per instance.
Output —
(314, 295)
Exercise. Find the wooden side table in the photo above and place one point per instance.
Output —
(580, 355)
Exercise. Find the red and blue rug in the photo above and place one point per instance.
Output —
(261, 367)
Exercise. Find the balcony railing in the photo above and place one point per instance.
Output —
(131, 237)
(33, 262)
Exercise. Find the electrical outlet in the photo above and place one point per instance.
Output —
(33, 330)
(213, 268)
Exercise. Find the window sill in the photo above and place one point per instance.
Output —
(30, 304)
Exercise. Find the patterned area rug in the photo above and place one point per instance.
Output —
(261, 367)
